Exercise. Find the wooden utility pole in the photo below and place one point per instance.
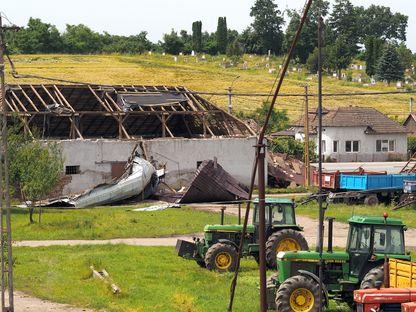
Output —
(306, 145)
(5, 212)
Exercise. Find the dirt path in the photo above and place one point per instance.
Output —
(25, 303)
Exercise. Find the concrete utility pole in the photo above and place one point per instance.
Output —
(5, 212)
(306, 145)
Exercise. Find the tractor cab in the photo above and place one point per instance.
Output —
(280, 213)
(370, 239)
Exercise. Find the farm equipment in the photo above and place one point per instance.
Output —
(218, 249)
(296, 285)
(401, 294)
(385, 299)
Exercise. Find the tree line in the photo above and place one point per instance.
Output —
(349, 32)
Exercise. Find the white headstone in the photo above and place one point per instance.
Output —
(163, 53)
(150, 52)
(193, 53)
(175, 58)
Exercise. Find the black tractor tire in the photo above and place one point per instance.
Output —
(221, 258)
(373, 276)
(371, 200)
(291, 295)
(276, 238)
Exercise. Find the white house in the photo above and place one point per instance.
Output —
(357, 134)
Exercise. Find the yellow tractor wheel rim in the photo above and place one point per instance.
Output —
(288, 244)
(302, 300)
(223, 260)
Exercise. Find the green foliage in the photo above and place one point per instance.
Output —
(197, 36)
(411, 144)
(293, 147)
(312, 62)
(35, 167)
(278, 118)
(308, 38)
(267, 26)
(81, 39)
(339, 55)
(379, 22)
(172, 43)
(373, 50)
(37, 37)
(222, 35)
(405, 56)
(136, 44)
(235, 51)
(389, 66)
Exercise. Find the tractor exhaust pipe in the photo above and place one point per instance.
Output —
(330, 233)
(222, 215)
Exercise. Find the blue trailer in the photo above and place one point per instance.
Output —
(370, 189)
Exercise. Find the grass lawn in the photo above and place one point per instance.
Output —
(208, 75)
(343, 212)
(111, 222)
(150, 278)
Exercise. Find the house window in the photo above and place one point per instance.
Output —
(323, 146)
(385, 145)
(72, 170)
(335, 146)
(352, 146)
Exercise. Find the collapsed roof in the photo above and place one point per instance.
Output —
(123, 112)
(354, 116)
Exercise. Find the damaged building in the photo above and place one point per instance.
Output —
(97, 128)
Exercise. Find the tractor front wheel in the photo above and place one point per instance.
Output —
(298, 294)
(284, 240)
(372, 277)
(221, 258)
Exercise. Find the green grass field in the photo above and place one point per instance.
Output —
(111, 222)
(343, 212)
(206, 75)
(150, 278)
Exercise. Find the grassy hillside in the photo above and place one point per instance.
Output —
(206, 75)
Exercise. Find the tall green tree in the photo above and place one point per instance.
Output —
(278, 119)
(172, 43)
(267, 26)
(35, 168)
(405, 56)
(222, 35)
(389, 66)
(373, 51)
(380, 22)
(339, 55)
(343, 23)
(37, 37)
(197, 36)
(187, 41)
(81, 39)
(308, 38)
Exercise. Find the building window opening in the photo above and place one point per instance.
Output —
(385, 145)
(335, 149)
(352, 146)
(72, 170)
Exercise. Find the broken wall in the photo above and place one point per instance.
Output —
(91, 162)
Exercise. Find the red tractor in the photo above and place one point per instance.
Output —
(409, 307)
(385, 299)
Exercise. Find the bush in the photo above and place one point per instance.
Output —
(293, 148)
(411, 144)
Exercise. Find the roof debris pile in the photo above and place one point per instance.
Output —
(284, 170)
(139, 180)
(213, 184)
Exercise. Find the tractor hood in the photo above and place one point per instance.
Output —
(312, 256)
(228, 228)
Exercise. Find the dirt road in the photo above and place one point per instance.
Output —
(25, 303)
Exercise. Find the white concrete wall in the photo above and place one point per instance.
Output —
(367, 151)
(236, 155)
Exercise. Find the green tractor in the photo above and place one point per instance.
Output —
(218, 250)
(370, 241)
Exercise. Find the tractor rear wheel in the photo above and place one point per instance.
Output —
(284, 240)
(298, 294)
(373, 276)
(221, 258)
